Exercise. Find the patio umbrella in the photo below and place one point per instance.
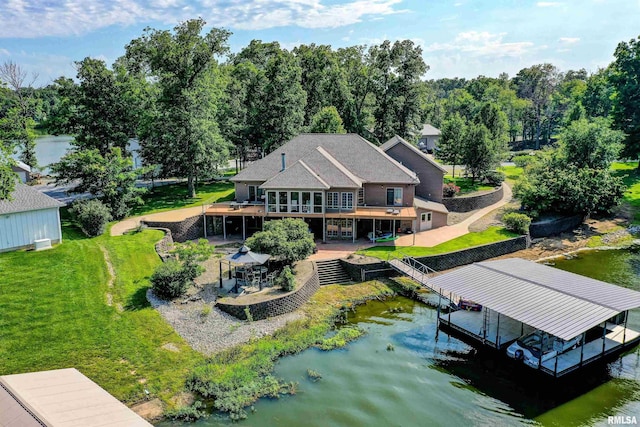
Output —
(246, 257)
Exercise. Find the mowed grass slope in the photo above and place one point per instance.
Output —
(174, 196)
(54, 314)
(490, 235)
(628, 171)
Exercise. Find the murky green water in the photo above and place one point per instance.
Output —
(424, 381)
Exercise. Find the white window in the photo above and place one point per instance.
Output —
(332, 200)
(361, 196)
(425, 217)
(347, 200)
(255, 193)
(394, 196)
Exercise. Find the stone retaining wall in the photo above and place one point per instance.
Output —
(553, 226)
(478, 253)
(165, 244)
(187, 229)
(371, 270)
(442, 261)
(276, 306)
(470, 203)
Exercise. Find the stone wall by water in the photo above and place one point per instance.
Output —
(549, 227)
(478, 253)
(470, 203)
(440, 262)
(276, 306)
(187, 229)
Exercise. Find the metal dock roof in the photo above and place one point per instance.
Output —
(555, 301)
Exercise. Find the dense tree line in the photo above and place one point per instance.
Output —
(192, 105)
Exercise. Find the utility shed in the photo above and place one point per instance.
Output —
(28, 218)
(60, 398)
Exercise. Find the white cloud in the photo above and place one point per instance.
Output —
(4, 52)
(568, 40)
(548, 4)
(484, 44)
(37, 18)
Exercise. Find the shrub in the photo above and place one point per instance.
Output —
(450, 190)
(288, 240)
(523, 161)
(188, 413)
(494, 178)
(517, 222)
(92, 216)
(169, 280)
(286, 280)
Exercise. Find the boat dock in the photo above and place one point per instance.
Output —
(517, 297)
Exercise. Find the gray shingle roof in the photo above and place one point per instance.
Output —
(25, 198)
(428, 130)
(298, 176)
(399, 140)
(362, 161)
(555, 301)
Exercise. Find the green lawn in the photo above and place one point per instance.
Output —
(513, 173)
(490, 235)
(465, 184)
(174, 196)
(628, 171)
(55, 315)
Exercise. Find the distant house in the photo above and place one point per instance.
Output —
(429, 137)
(342, 185)
(61, 398)
(23, 171)
(428, 192)
(29, 218)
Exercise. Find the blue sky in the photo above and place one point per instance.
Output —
(459, 38)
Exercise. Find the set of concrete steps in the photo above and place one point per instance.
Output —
(331, 271)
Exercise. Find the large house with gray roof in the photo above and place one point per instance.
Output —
(30, 219)
(341, 184)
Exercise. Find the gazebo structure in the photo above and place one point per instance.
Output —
(248, 267)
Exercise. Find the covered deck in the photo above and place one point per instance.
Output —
(244, 218)
(519, 297)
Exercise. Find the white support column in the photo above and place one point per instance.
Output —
(353, 230)
(224, 227)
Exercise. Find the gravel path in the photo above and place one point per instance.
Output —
(210, 331)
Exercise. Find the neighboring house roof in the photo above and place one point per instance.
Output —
(429, 205)
(558, 302)
(428, 130)
(21, 166)
(61, 398)
(395, 140)
(345, 160)
(25, 198)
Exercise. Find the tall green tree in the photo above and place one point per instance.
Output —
(327, 120)
(269, 107)
(480, 153)
(97, 110)
(592, 145)
(356, 113)
(625, 78)
(597, 98)
(451, 145)
(537, 83)
(18, 120)
(110, 177)
(183, 126)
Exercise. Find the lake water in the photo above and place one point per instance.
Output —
(425, 382)
(50, 149)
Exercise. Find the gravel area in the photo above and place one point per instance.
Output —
(209, 330)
